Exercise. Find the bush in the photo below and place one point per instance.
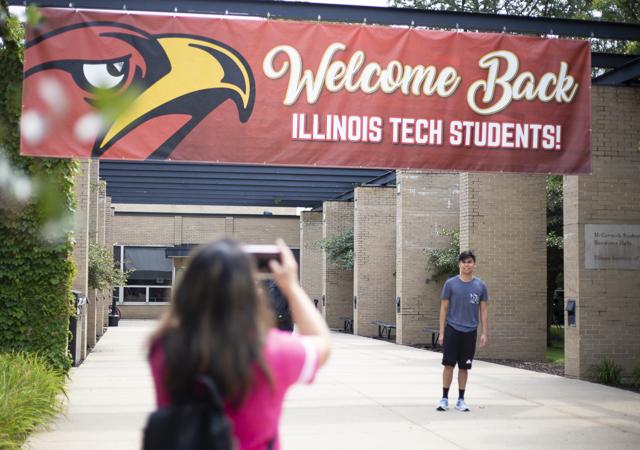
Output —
(30, 396)
(607, 372)
(445, 261)
(339, 249)
(635, 377)
(102, 272)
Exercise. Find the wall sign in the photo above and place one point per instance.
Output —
(612, 247)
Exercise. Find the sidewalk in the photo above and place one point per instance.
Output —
(372, 395)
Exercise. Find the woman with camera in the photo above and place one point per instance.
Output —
(220, 328)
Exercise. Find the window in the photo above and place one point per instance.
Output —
(152, 276)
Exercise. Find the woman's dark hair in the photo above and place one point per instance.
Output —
(217, 322)
(465, 255)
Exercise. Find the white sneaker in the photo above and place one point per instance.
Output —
(461, 405)
(443, 405)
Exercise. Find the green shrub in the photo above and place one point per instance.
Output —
(635, 377)
(102, 272)
(607, 372)
(30, 396)
(444, 261)
(339, 249)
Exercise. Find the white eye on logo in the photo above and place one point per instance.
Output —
(104, 75)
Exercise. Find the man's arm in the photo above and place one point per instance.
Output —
(444, 309)
(484, 321)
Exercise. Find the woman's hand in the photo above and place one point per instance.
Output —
(285, 271)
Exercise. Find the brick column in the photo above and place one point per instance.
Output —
(426, 203)
(374, 282)
(337, 284)
(311, 254)
(94, 195)
(608, 310)
(108, 242)
(503, 220)
(81, 247)
(101, 297)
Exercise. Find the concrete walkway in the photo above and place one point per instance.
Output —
(372, 395)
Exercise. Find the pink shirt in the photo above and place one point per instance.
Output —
(290, 358)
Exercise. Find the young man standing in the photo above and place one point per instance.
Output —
(464, 301)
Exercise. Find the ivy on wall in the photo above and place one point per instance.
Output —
(35, 273)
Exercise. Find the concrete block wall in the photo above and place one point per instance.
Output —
(426, 203)
(374, 282)
(311, 254)
(608, 308)
(503, 220)
(337, 284)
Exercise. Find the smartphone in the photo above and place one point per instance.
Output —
(262, 254)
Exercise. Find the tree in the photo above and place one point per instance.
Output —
(626, 11)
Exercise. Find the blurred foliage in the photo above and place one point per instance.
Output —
(36, 275)
(444, 261)
(339, 249)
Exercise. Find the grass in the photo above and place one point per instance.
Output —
(30, 396)
(555, 351)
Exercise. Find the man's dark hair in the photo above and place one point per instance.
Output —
(466, 255)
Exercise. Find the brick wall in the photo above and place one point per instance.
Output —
(503, 220)
(337, 284)
(142, 311)
(81, 227)
(311, 254)
(608, 311)
(169, 230)
(374, 282)
(426, 203)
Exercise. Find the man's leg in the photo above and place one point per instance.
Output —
(463, 374)
(449, 359)
(468, 346)
(447, 376)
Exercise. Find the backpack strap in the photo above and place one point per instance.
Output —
(212, 391)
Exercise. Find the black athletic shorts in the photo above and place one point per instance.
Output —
(459, 347)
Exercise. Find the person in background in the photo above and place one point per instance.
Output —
(463, 305)
(280, 305)
(219, 325)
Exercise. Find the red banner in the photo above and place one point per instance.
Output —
(118, 85)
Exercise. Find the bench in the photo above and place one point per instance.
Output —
(348, 324)
(384, 327)
(435, 333)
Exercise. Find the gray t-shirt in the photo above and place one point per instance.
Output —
(464, 302)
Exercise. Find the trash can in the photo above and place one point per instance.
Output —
(114, 313)
(77, 327)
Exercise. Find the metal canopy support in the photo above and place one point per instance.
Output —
(367, 14)
(625, 74)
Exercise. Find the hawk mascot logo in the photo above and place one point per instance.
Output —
(171, 82)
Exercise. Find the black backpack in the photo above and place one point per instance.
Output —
(196, 422)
